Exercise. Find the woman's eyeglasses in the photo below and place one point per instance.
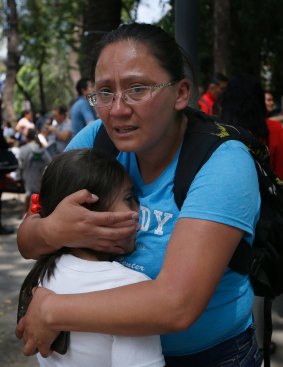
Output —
(133, 95)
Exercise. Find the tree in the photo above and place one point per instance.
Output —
(12, 60)
(221, 36)
(99, 17)
(47, 39)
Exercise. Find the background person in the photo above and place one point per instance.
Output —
(243, 103)
(33, 159)
(4, 146)
(83, 270)
(59, 131)
(272, 113)
(24, 124)
(81, 113)
(200, 306)
(214, 90)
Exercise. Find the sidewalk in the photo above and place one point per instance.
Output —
(13, 270)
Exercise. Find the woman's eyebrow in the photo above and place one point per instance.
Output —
(127, 79)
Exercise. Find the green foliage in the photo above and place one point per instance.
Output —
(256, 40)
(129, 10)
(168, 21)
(47, 30)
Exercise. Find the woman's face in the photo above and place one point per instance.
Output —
(269, 102)
(143, 127)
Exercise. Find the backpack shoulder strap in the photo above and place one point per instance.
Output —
(203, 136)
(103, 143)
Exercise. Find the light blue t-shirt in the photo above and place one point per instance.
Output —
(226, 191)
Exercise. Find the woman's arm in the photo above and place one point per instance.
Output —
(170, 303)
(73, 225)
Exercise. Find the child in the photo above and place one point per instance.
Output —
(83, 270)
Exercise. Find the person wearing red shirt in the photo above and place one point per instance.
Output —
(214, 90)
(275, 144)
(243, 103)
(272, 111)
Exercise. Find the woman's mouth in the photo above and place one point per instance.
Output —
(125, 129)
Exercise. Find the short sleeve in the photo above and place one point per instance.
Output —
(226, 189)
(85, 138)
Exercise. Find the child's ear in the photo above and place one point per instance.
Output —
(183, 94)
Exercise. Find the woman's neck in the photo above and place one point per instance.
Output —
(151, 165)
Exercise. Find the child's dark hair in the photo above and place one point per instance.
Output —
(69, 172)
(169, 54)
(81, 169)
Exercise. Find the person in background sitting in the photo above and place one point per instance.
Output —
(25, 123)
(59, 131)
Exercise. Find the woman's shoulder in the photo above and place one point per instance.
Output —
(85, 138)
(230, 169)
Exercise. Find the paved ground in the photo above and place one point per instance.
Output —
(13, 269)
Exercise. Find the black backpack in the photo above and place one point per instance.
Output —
(8, 162)
(264, 260)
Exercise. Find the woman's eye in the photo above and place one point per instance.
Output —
(137, 90)
(105, 90)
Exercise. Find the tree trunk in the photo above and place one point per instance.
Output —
(221, 27)
(41, 90)
(13, 58)
(27, 96)
(75, 73)
(100, 16)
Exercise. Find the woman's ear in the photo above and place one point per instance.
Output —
(183, 94)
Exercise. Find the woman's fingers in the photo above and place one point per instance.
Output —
(20, 329)
(81, 197)
(30, 348)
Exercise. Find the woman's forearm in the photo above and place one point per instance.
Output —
(145, 308)
(31, 240)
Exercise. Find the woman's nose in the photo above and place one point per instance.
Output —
(119, 105)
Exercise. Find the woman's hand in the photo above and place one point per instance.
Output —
(33, 328)
(72, 225)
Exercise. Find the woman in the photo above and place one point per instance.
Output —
(243, 103)
(272, 112)
(202, 308)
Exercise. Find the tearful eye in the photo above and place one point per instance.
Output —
(137, 90)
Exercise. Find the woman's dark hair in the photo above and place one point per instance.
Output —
(242, 103)
(162, 46)
(69, 172)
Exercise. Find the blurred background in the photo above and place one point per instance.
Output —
(46, 44)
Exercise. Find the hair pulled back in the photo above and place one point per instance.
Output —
(162, 46)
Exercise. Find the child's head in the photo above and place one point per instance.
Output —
(84, 169)
(87, 169)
